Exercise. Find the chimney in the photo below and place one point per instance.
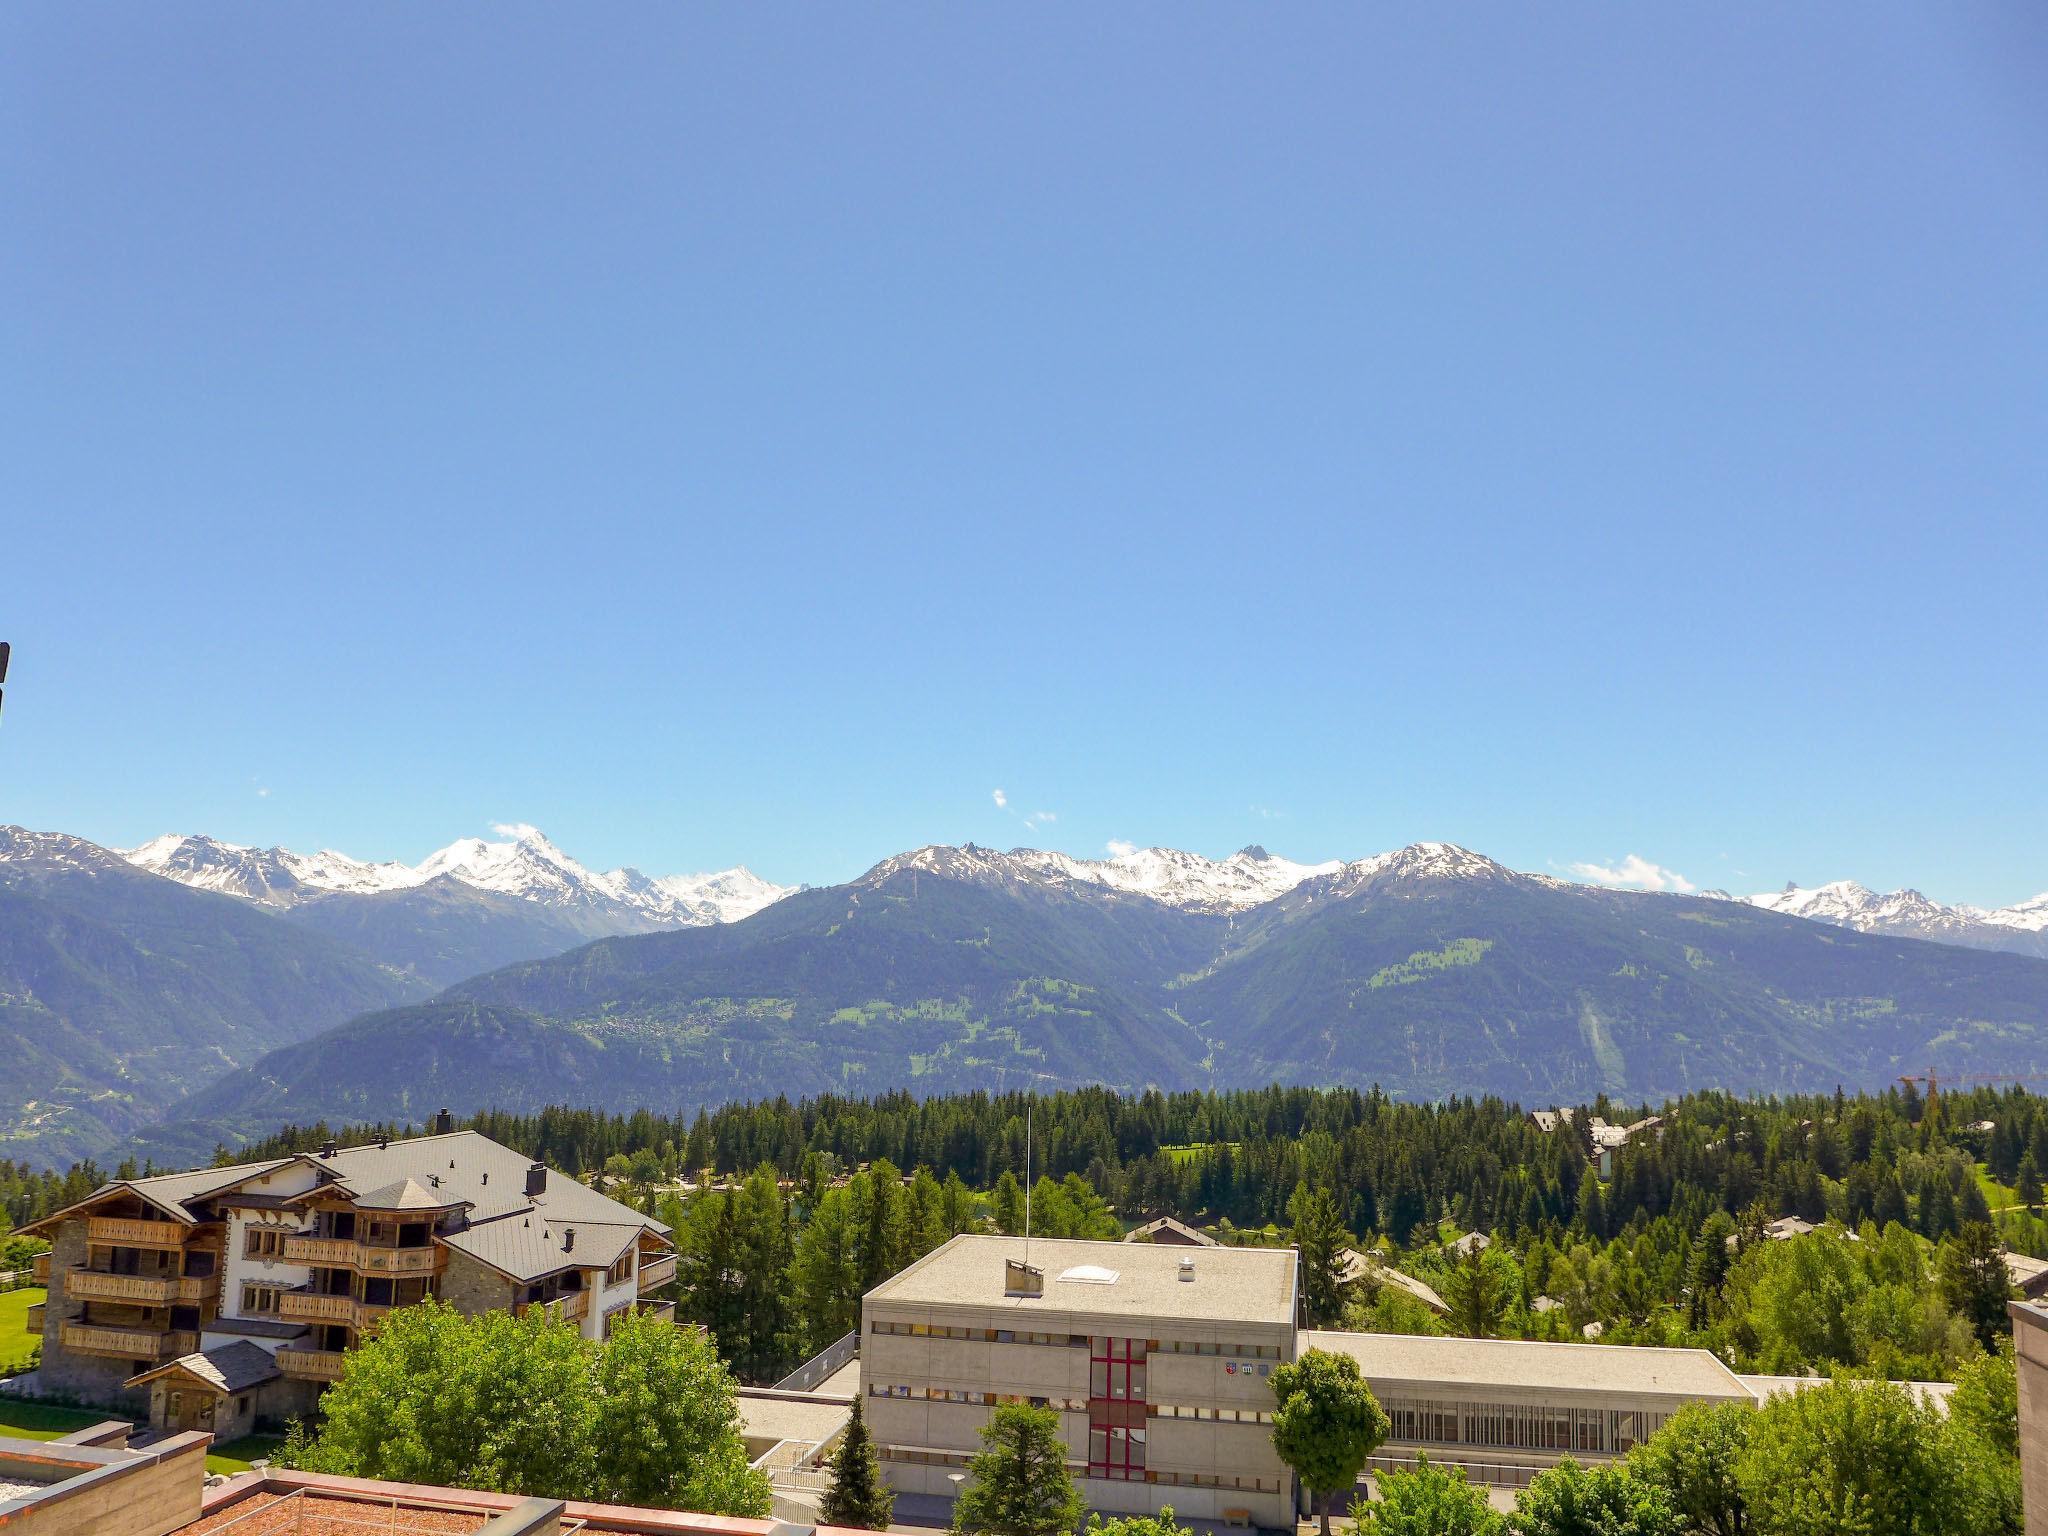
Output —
(444, 1122)
(568, 1240)
(537, 1179)
(329, 1147)
(1022, 1279)
(1187, 1269)
(383, 1141)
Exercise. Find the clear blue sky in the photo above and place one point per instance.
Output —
(730, 432)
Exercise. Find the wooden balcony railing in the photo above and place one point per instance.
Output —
(134, 1232)
(569, 1308)
(660, 1311)
(96, 1285)
(194, 1289)
(310, 1364)
(331, 1252)
(366, 1258)
(655, 1273)
(313, 1307)
(40, 1267)
(373, 1260)
(127, 1343)
(34, 1322)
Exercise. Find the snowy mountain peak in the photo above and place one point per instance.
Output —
(525, 865)
(1906, 913)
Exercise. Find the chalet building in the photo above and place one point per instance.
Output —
(216, 1298)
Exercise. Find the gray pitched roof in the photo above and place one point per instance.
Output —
(227, 1367)
(170, 1192)
(530, 1246)
(468, 1167)
(404, 1195)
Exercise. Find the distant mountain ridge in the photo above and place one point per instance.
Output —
(2021, 929)
(1429, 970)
(524, 865)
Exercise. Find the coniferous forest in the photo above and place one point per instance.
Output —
(785, 1213)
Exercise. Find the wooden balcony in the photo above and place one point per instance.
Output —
(328, 1252)
(34, 1322)
(310, 1364)
(570, 1308)
(84, 1284)
(655, 1273)
(196, 1289)
(39, 1266)
(374, 1260)
(133, 1232)
(660, 1311)
(127, 1343)
(313, 1307)
(364, 1258)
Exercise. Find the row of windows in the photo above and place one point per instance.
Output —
(978, 1399)
(1131, 1350)
(924, 1457)
(1519, 1426)
(1063, 1404)
(1216, 1415)
(1116, 1453)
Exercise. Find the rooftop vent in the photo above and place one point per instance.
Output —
(1089, 1274)
(444, 1122)
(568, 1240)
(1187, 1269)
(434, 1179)
(383, 1141)
(1022, 1279)
(487, 1176)
(536, 1178)
(328, 1147)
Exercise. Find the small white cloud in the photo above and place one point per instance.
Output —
(1043, 816)
(1267, 813)
(1119, 849)
(263, 792)
(1634, 873)
(518, 831)
(1002, 801)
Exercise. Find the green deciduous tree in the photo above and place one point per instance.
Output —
(1857, 1456)
(1018, 1484)
(858, 1495)
(525, 1405)
(1327, 1424)
(1428, 1500)
(1693, 1458)
(1161, 1524)
(1571, 1500)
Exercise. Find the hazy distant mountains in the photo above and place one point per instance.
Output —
(227, 988)
(2020, 929)
(1431, 970)
(120, 991)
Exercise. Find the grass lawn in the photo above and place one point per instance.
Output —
(236, 1455)
(41, 1421)
(1999, 1197)
(15, 1339)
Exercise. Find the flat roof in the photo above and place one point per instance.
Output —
(767, 1416)
(1230, 1284)
(1524, 1365)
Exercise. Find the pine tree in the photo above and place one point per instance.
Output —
(1321, 1241)
(858, 1496)
(2027, 1183)
(1592, 1205)
(1019, 1485)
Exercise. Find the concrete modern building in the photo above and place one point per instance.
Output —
(2030, 1344)
(216, 1298)
(1158, 1359)
(1504, 1409)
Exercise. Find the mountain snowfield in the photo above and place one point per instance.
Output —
(525, 865)
(2021, 928)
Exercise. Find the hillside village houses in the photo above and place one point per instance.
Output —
(220, 1297)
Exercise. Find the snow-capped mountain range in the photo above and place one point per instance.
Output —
(523, 864)
(2021, 928)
